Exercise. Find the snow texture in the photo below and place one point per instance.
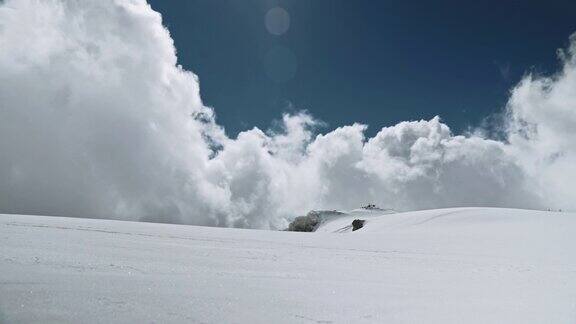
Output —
(463, 265)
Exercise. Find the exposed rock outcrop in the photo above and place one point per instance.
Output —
(311, 221)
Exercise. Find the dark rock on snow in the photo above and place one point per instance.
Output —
(357, 224)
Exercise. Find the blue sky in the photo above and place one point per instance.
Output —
(88, 128)
(374, 62)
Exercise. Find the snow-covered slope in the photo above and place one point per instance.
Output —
(465, 265)
(342, 222)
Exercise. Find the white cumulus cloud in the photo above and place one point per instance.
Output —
(98, 120)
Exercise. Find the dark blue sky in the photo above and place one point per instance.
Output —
(375, 62)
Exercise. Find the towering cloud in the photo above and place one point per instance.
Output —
(98, 120)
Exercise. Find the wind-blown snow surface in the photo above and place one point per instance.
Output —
(465, 265)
